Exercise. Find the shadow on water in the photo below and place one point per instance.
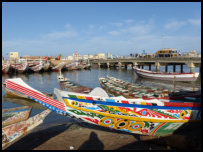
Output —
(93, 143)
(35, 139)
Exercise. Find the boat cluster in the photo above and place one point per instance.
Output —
(117, 87)
(40, 66)
(133, 108)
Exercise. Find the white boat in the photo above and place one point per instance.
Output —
(59, 67)
(37, 67)
(166, 76)
(20, 68)
(46, 66)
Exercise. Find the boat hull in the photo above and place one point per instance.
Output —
(167, 76)
(14, 115)
(140, 119)
(14, 132)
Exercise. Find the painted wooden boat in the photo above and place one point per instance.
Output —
(78, 66)
(46, 66)
(6, 68)
(14, 132)
(20, 68)
(146, 117)
(14, 93)
(14, 115)
(37, 68)
(119, 87)
(87, 66)
(69, 85)
(166, 76)
(58, 67)
(69, 67)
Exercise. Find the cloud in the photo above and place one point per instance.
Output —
(129, 21)
(174, 25)
(91, 26)
(140, 29)
(61, 34)
(67, 26)
(117, 24)
(69, 32)
(196, 22)
(114, 33)
(135, 29)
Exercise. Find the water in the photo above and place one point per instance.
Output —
(47, 81)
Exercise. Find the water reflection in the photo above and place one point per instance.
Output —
(22, 102)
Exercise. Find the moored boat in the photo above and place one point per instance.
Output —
(166, 76)
(13, 93)
(87, 66)
(59, 67)
(69, 85)
(13, 132)
(6, 68)
(21, 67)
(116, 86)
(14, 115)
(46, 66)
(37, 68)
(146, 117)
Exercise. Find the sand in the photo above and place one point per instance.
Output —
(84, 136)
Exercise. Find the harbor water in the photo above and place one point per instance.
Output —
(47, 81)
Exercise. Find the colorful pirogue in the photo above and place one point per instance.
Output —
(146, 117)
(46, 66)
(59, 67)
(20, 68)
(69, 85)
(16, 124)
(117, 87)
(6, 67)
(13, 93)
(37, 68)
(166, 76)
(14, 115)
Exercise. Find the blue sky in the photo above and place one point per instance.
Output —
(50, 28)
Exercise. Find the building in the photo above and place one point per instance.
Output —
(69, 58)
(192, 53)
(109, 55)
(77, 56)
(100, 55)
(13, 55)
(90, 56)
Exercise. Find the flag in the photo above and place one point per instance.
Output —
(58, 57)
(46, 58)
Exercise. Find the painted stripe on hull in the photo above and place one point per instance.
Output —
(132, 105)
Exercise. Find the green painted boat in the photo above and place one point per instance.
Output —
(129, 90)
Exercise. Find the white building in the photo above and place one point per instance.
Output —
(109, 55)
(101, 55)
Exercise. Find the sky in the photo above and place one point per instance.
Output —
(120, 28)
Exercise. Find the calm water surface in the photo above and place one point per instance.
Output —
(47, 81)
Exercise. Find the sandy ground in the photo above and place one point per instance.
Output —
(84, 136)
